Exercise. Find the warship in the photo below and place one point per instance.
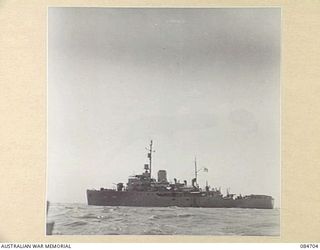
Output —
(144, 191)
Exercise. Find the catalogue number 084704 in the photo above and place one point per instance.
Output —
(308, 245)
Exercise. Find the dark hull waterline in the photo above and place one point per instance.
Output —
(107, 197)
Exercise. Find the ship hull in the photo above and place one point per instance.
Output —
(107, 197)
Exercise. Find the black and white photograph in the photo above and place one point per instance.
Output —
(163, 121)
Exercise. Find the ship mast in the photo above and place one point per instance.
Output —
(150, 151)
(195, 168)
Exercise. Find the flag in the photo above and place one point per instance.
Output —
(205, 170)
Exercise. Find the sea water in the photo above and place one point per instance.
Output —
(81, 219)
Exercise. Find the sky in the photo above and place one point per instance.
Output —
(201, 82)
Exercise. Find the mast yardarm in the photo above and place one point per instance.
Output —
(150, 151)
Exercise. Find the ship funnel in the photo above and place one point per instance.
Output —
(162, 176)
(119, 186)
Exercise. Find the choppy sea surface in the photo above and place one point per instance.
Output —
(81, 219)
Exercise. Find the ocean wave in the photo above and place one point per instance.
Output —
(108, 210)
(75, 219)
(76, 223)
(87, 216)
(184, 215)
